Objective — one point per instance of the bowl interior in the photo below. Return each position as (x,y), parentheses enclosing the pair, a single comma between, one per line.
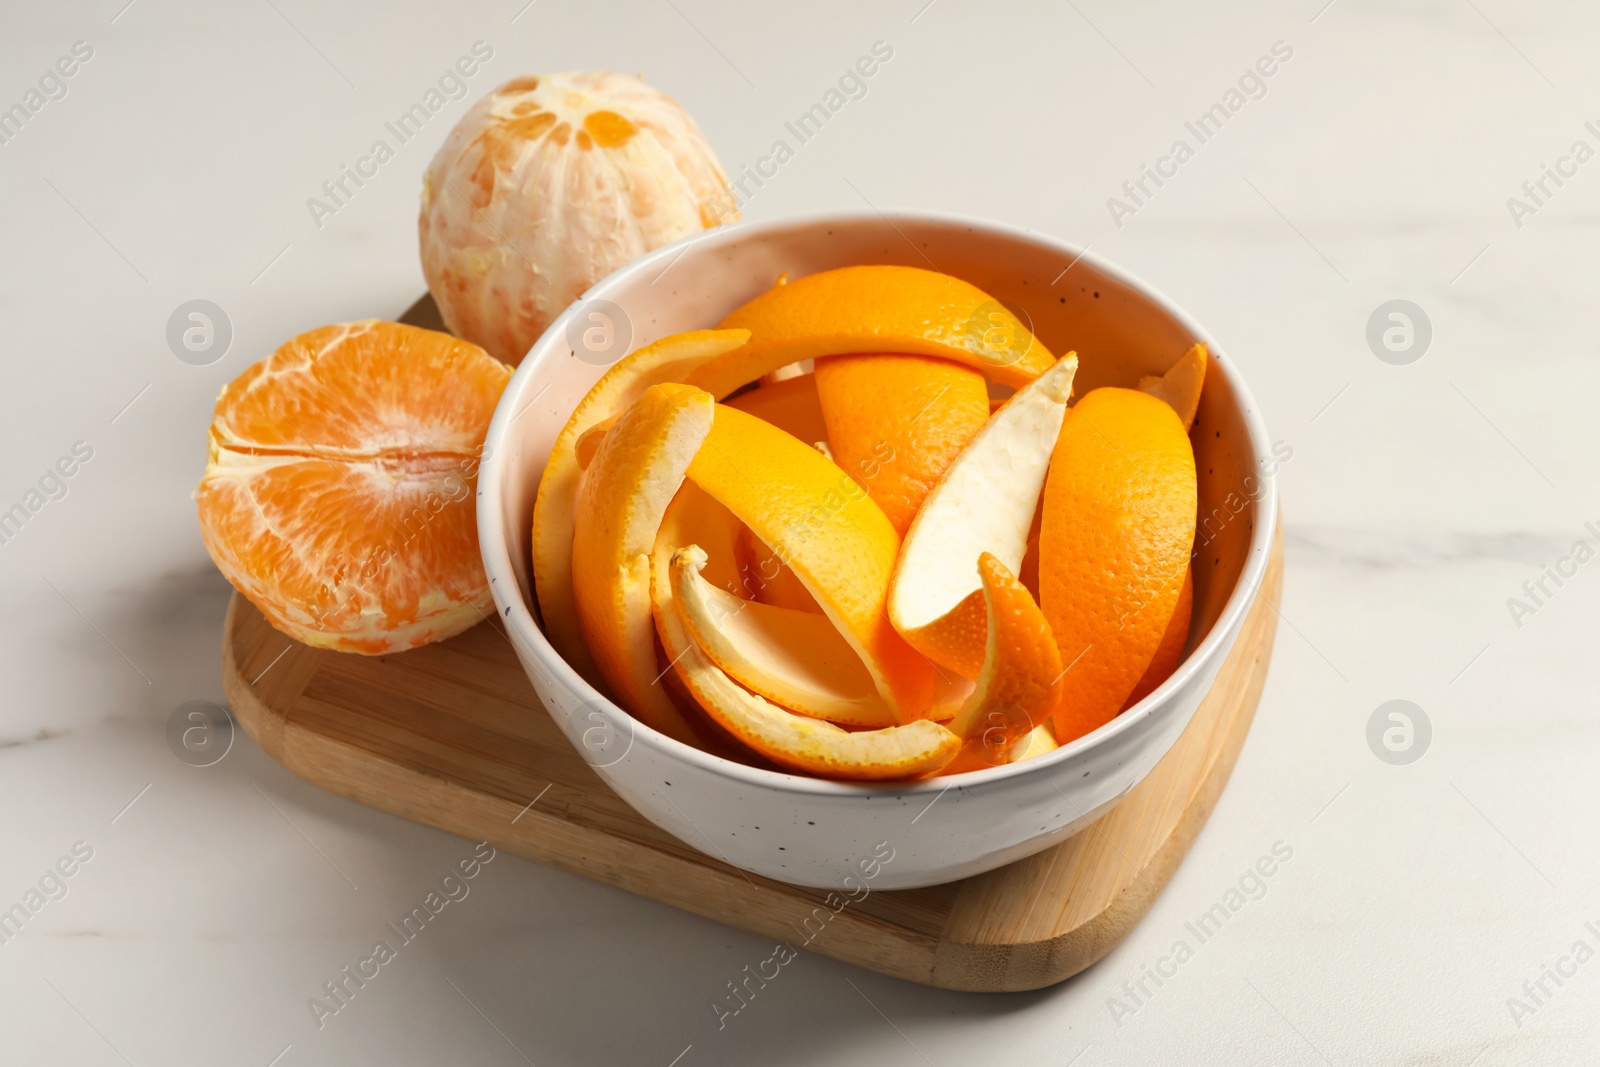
(1072,302)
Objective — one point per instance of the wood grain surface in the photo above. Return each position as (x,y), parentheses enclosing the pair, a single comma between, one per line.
(452,735)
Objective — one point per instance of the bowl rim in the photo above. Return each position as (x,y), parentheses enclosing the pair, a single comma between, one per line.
(519,620)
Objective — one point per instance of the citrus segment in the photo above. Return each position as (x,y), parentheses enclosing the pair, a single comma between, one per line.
(984,503)
(339,490)
(1170,651)
(896,423)
(795,741)
(1119,517)
(827,530)
(1180,387)
(365,389)
(877,309)
(1020,681)
(667,360)
(620,505)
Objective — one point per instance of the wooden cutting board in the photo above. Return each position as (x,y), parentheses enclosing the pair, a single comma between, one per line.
(452,735)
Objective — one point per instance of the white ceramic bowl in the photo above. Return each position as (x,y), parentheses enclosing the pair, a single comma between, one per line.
(814,832)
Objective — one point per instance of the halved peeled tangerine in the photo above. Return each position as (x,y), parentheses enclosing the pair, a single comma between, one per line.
(830,558)
(338,494)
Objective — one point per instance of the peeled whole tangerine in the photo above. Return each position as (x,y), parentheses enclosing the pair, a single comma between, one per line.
(547,185)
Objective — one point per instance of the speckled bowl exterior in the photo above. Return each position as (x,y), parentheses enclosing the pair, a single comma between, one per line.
(898,835)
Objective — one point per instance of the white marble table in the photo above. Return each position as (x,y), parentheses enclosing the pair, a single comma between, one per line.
(1421,904)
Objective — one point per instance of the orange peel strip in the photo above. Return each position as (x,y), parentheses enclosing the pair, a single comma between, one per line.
(1169,653)
(764,577)
(876,309)
(1020,682)
(667,360)
(827,530)
(794,741)
(1180,387)
(1118,527)
(897,422)
(793,658)
(620,507)
(1039,741)
(984,503)
(792,405)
